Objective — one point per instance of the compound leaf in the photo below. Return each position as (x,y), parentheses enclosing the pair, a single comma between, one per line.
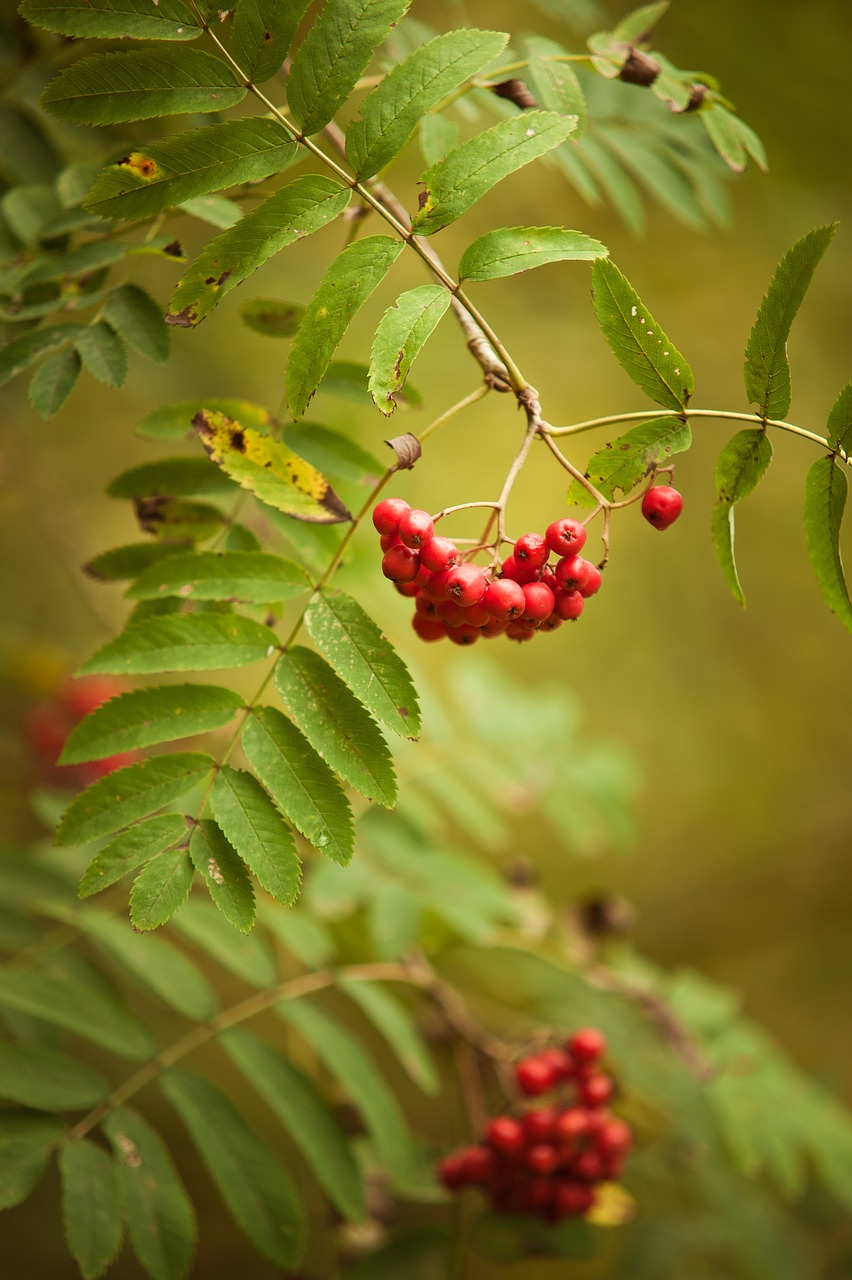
(130,793)
(199,642)
(402,333)
(258,832)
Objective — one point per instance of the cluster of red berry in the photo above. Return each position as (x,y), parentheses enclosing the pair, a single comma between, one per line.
(547,1162)
(48,725)
(464,601)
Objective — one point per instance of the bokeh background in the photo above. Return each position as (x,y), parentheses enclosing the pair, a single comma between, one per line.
(738,721)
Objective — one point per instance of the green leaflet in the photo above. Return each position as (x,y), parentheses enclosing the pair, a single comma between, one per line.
(625,461)
(767,371)
(48,1081)
(302,934)
(137,319)
(263,31)
(741,465)
(300,782)
(334,54)
(305,1116)
(839,428)
(454,185)
(225,875)
(258,577)
(336,724)
(637,341)
(554,84)
(218,211)
(128,850)
(249,958)
(513,249)
(402,333)
(160,889)
(91,1209)
(391,113)
(53,382)
(160,1218)
(172,477)
(336,455)
(291,214)
(103,353)
(200,642)
(154,964)
(114,19)
(272,317)
(826,489)
(28,153)
(109,88)
(364,660)
(174,421)
(20,353)
(130,793)
(144,717)
(26,1142)
(256,829)
(190,164)
(394,1021)
(357,1075)
(346,285)
(637,25)
(732,138)
(254,1184)
(436,137)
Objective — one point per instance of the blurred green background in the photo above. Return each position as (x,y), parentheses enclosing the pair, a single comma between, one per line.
(739,720)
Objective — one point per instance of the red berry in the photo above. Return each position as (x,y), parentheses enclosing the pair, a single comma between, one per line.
(587,1044)
(451,1171)
(568,605)
(614,1138)
(409,589)
(388,540)
(596,1090)
(572,1198)
(593,582)
(494,627)
(479,1164)
(416,527)
(531,550)
(572,572)
(438,554)
(518,571)
(534,1076)
(504,598)
(542,1158)
(400,564)
(451,612)
(520,631)
(540,1125)
(565,537)
(589,1166)
(436,587)
(505,1134)
(553,623)
(387,515)
(466,584)
(424,605)
(464,635)
(661,506)
(539,601)
(427,628)
(561,1063)
(540,1194)
(571,1125)
(84,695)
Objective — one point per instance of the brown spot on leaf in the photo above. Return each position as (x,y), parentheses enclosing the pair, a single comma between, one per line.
(238,440)
(422,199)
(181,319)
(267,36)
(174,249)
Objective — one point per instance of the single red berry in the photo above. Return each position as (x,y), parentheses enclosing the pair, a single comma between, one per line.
(388,540)
(428,629)
(572,572)
(531,550)
(588,1166)
(387,515)
(505,1134)
(451,1171)
(542,1158)
(560,1061)
(535,1075)
(540,1124)
(409,589)
(424,576)
(400,564)
(593,583)
(614,1138)
(518,571)
(540,1194)
(416,527)
(572,1198)
(565,537)
(423,604)
(661,506)
(494,627)
(451,613)
(438,554)
(479,1164)
(436,587)
(596,1090)
(571,1125)
(553,623)
(477,616)
(539,601)
(504,598)
(568,605)
(466,584)
(587,1044)
(519,631)
(47,726)
(463,635)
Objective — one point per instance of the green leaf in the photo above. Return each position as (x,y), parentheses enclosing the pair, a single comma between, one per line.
(767,371)
(513,249)
(128,850)
(637,341)
(136,317)
(28,210)
(53,382)
(103,353)
(258,577)
(263,31)
(403,330)
(346,285)
(437,136)
(218,211)
(130,793)
(225,874)
(200,642)
(256,829)
(122,563)
(160,1218)
(416,1254)
(91,1209)
(336,724)
(304,206)
(839,429)
(160,889)
(48,1081)
(353,1068)
(554,84)
(741,465)
(334,54)
(272,317)
(826,490)
(454,185)
(114,19)
(171,477)
(26,1142)
(155,964)
(391,113)
(337,456)
(174,421)
(396,1025)
(191,164)
(29,155)
(83,261)
(20,353)
(305,1116)
(364,660)
(300,782)
(255,1186)
(302,934)
(109,88)
(627,460)
(269,470)
(144,717)
(250,957)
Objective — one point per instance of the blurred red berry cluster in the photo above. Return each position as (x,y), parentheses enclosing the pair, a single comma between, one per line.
(548,1161)
(48,725)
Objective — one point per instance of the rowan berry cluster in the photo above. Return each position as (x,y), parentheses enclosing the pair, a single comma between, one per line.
(548,1161)
(463,601)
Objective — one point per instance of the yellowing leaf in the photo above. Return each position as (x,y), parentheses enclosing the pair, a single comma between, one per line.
(613,1206)
(272,472)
